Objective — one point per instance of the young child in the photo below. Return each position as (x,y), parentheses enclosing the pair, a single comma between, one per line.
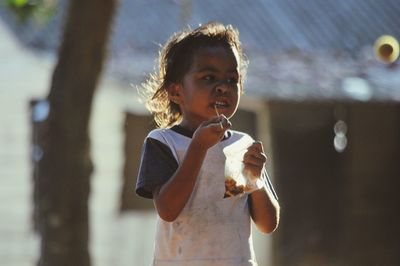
(193,95)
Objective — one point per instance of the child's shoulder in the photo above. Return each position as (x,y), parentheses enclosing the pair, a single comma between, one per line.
(165,135)
(159,133)
(156,133)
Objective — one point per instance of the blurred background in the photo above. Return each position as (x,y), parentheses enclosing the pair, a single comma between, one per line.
(322,93)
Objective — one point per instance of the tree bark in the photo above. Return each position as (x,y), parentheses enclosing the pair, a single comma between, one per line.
(66,166)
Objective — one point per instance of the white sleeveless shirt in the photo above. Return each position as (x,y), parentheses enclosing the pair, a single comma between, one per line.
(210,230)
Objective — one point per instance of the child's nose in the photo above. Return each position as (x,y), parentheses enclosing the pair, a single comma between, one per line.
(222,88)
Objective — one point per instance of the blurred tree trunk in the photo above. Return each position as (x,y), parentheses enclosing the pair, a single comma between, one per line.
(66,166)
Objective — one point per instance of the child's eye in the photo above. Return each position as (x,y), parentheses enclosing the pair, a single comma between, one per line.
(209,78)
(232,80)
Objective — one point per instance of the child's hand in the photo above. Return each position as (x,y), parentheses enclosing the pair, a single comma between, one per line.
(212,131)
(254,159)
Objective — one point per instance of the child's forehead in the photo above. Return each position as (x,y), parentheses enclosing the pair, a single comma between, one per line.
(215,46)
(220,52)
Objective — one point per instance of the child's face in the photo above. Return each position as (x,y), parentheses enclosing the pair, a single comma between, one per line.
(212,81)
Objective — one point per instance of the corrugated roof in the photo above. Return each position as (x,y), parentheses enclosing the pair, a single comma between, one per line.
(270,31)
(268,26)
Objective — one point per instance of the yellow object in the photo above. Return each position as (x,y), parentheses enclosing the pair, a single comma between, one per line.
(386,49)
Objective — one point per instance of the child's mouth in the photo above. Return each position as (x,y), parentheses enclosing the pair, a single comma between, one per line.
(221,105)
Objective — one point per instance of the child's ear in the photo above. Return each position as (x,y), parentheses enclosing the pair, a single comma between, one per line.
(174,93)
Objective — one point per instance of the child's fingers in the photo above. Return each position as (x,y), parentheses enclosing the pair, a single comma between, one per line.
(254,161)
(218,119)
(257,159)
(256,150)
(213,124)
(221,122)
(216,126)
(225,122)
(257,146)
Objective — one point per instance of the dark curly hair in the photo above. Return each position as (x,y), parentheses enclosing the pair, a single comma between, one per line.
(175,60)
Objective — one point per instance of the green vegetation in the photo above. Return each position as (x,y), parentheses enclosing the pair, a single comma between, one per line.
(40,11)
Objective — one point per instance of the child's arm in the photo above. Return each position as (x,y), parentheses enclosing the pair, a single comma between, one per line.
(264,208)
(171,197)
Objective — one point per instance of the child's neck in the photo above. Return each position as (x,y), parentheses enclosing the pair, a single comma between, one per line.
(189,126)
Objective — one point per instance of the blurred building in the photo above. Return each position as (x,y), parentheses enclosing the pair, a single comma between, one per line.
(327,111)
